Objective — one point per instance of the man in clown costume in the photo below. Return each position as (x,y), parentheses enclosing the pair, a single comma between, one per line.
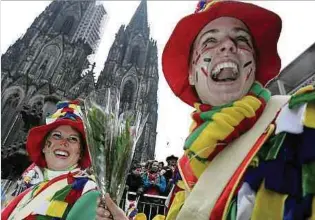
(56,185)
(249,155)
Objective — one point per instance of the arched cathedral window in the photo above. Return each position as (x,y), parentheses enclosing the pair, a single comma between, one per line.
(67,25)
(126,98)
(9,108)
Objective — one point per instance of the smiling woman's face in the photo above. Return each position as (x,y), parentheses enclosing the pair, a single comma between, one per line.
(62,148)
(222,65)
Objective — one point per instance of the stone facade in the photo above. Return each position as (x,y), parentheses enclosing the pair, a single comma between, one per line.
(47,64)
(132,67)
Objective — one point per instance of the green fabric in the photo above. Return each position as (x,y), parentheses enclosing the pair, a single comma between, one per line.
(297,100)
(277,142)
(85,207)
(194,135)
(193,155)
(232,210)
(43,217)
(62,194)
(308,178)
(270,149)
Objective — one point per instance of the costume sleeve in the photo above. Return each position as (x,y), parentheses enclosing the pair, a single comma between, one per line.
(85,207)
(146,181)
(162,184)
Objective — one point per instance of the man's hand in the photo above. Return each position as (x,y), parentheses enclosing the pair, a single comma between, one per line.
(111,211)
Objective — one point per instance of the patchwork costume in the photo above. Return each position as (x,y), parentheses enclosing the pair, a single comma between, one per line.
(52,194)
(253,158)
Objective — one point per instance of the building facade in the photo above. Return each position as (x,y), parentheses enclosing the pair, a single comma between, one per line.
(132,68)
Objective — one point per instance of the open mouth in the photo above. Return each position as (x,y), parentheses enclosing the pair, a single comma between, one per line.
(225,72)
(61,153)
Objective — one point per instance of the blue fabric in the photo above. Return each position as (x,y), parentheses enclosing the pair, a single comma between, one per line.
(307,146)
(298,208)
(70,115)
(283,177)
(62,105)
(161,183)
(255,176)
(79,183)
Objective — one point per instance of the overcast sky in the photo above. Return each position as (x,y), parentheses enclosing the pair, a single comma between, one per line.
(298,34)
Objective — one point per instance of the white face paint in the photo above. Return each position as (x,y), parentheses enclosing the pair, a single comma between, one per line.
(222,66)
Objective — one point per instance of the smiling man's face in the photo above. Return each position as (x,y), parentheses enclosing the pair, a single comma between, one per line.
(222,66)
(62,148)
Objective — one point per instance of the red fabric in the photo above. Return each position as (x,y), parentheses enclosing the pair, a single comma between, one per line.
(264,25)
(73,196)
(218,209)
(30,217)
(56,179)
(186,171)
(8,210)
(67,109)
(36,136)
(152,191)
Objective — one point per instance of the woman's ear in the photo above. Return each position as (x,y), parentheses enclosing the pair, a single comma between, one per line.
(191,77)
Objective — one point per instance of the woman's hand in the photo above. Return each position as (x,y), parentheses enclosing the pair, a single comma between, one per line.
(110,212)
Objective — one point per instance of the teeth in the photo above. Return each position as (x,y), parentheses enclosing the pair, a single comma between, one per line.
(61,153)
(220,66)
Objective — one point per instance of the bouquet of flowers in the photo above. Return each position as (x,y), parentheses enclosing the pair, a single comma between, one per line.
(111,138)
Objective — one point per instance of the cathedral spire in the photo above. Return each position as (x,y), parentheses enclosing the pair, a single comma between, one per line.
(139,20)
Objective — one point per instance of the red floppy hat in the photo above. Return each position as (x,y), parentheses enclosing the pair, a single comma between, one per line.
(68,113)
(264,25)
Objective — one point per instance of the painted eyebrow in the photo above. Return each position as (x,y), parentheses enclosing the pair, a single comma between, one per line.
(77,135)
(212,31)
(239,29)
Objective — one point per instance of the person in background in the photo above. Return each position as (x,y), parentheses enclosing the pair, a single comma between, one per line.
(249,155)
(154,183)
(134,180)
(170,172)
(57,185)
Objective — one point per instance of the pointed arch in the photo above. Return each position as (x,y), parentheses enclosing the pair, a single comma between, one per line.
(37,102)
(48,60)
(67,25)
(128,93)
(11,100)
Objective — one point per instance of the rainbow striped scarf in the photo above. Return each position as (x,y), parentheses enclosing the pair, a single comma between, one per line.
(214,128)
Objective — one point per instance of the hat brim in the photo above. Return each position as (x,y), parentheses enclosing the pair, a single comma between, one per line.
(264,25)
(171,158)
(36,138)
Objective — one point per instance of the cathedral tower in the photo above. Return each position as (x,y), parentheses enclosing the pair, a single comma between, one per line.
(132,67)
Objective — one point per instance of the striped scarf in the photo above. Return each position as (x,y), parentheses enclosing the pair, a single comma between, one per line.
(214,128)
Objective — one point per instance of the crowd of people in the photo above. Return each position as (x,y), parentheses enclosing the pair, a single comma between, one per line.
(152,177)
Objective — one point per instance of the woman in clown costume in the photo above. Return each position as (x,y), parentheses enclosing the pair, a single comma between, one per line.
(56,185)
(249,155)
